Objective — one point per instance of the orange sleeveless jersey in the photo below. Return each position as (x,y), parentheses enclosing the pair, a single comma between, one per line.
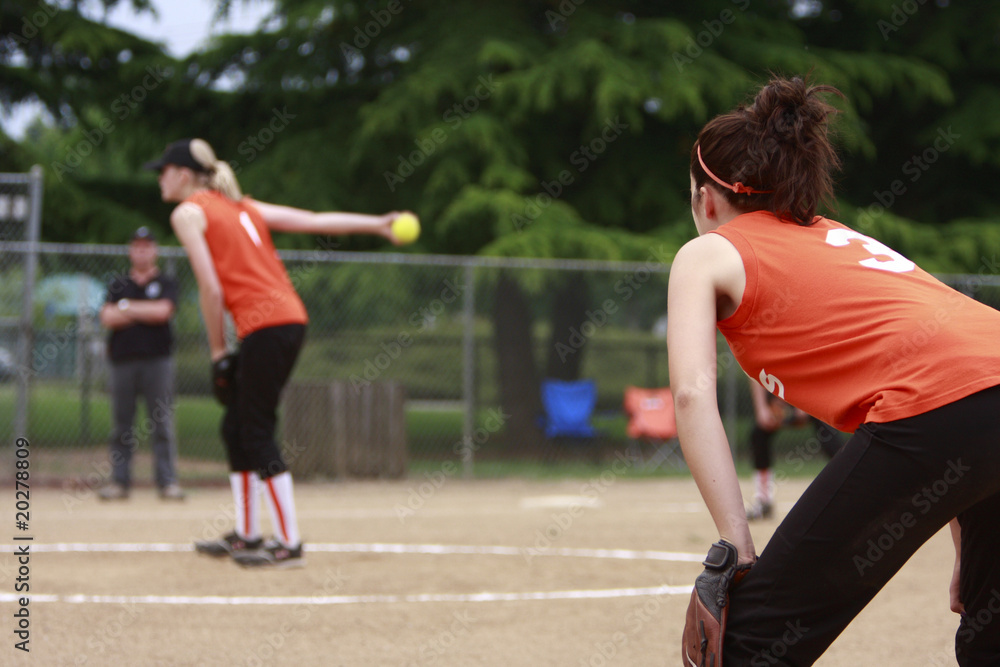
(256,288)
(850,331)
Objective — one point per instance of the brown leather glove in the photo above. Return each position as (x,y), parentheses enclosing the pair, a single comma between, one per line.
(705,627)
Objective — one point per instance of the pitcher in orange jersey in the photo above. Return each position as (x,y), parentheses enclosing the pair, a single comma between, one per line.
(846,329)
(227,237)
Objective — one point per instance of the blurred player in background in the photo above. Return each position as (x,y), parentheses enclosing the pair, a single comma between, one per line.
(227,237)
(850,331)
(771,414)
(137,309)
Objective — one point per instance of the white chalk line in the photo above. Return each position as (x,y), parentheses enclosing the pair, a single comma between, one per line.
(433,549)
(327,600)
(109,514)
(384,548)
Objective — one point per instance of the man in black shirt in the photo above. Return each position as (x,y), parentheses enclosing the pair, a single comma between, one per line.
(138,309)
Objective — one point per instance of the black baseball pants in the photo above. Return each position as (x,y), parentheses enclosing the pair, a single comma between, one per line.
(889,489)
(263,365)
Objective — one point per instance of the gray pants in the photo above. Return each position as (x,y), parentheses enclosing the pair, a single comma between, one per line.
(153,379)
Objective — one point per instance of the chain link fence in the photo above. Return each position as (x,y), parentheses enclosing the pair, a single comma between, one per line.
(20,221)
(429,324)
(469,340)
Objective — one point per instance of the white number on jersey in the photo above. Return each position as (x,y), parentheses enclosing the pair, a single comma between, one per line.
(251,230)
(895,263)
(772,384)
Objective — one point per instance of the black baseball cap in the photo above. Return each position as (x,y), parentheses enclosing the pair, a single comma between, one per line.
(144,234)
(177,153)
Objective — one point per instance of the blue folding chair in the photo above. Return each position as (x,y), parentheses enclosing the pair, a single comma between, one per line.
(569,405)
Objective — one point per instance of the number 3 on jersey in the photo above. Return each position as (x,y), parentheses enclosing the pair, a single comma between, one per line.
(895,263)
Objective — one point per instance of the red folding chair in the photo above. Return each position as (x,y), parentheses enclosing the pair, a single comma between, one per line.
(651,420)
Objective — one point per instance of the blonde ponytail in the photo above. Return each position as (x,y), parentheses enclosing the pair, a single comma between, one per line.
(224,180)
(220,176)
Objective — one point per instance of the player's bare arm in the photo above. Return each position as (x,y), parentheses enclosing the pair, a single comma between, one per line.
(706,281)
(296,220)
(189,224)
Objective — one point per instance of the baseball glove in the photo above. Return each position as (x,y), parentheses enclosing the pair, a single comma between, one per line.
(224,378)
(708,610)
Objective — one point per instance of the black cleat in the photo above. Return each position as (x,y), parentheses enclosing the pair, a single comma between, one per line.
(231,544)
(272,554)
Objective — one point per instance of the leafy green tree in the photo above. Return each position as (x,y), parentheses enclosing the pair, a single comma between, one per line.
(91,78)
(546,128)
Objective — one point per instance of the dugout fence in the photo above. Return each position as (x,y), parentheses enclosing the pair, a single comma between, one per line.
(468,339)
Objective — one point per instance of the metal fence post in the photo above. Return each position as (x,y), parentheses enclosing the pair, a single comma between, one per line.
(468,368)
(26,329)
(730,411)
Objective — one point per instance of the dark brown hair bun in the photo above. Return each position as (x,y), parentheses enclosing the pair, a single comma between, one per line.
(779,145)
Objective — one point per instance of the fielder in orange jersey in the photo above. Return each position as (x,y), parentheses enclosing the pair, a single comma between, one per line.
(227,237)
(846,329)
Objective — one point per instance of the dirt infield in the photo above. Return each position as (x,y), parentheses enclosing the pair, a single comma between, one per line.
(482,573)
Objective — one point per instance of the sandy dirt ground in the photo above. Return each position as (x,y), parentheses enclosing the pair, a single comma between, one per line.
(579,573)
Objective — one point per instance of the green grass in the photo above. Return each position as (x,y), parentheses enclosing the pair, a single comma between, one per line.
(583,470)
(57,416)
(61,419)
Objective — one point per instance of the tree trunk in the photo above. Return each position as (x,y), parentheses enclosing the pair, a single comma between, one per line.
(520,392)
(568,340)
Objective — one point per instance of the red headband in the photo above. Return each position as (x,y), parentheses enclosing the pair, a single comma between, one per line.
(737,187)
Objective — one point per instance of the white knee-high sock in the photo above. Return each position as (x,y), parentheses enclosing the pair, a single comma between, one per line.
(763,485)
(246,496)
(280,500)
